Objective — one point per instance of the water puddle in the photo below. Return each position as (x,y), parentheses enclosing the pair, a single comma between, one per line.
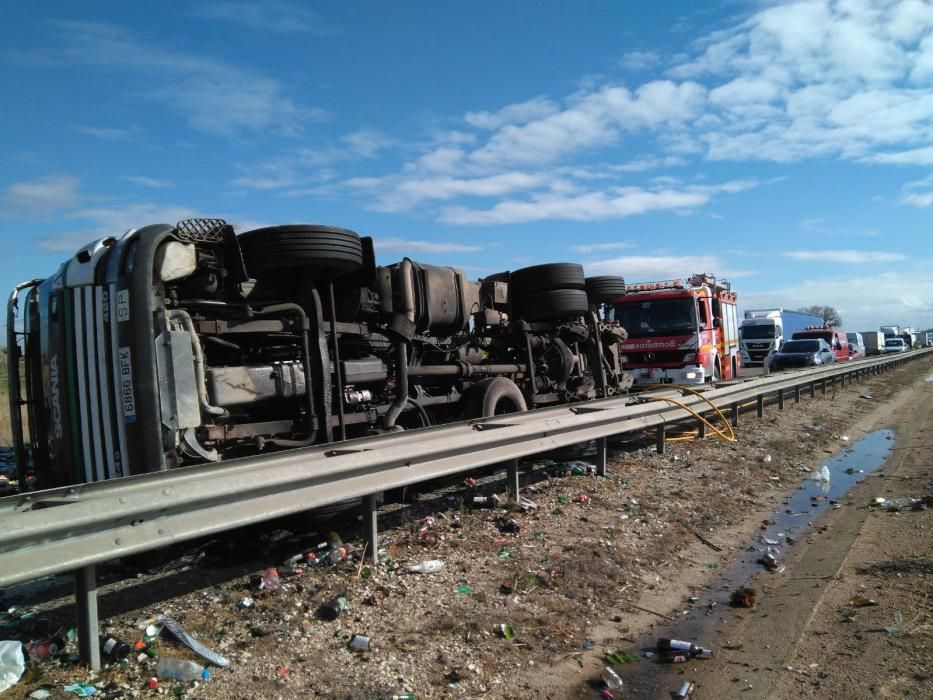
(648,678)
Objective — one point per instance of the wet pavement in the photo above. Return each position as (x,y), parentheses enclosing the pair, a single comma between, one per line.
(648,677)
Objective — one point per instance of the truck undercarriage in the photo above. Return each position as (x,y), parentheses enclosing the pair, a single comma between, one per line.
(176,345)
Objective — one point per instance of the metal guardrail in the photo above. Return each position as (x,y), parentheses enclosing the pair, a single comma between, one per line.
(74,528)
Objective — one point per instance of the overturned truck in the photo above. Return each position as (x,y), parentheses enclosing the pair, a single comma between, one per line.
(176,345)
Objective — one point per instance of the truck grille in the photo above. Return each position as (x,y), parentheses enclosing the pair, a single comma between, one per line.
(656,358)
(102,438)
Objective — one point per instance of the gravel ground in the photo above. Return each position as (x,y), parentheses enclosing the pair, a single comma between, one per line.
(571,583)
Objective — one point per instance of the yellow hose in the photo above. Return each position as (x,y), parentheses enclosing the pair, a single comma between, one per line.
(727,435)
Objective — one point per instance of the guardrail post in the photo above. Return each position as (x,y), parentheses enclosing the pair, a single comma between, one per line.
(797,394)
(735,415)
(661,437)
(702,429)
(812,390)
(761,406)
(780,398)
(86,604)
(371,527)
(823,386)
(513,484)
(601,450)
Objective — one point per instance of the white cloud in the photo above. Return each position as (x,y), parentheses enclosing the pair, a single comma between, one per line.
(639,60)
(817,78)
(598,247)
(594,120)
(403,245)
(649,268)
(589,206)
(150,182)
(901,297)
(643,163)
(269,16)
(215,97)
(367,142)
(913,156)
(105,133)
(854,257)
(113,221)
(520,113)
(797,80)
(825,228)
(395,194)
(919,193)
(41,197)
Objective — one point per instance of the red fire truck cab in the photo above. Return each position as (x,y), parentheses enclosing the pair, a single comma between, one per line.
(680,331)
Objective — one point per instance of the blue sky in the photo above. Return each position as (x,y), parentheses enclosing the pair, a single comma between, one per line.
(787,146)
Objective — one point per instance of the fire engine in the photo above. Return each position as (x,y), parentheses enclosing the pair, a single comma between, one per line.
(680,331)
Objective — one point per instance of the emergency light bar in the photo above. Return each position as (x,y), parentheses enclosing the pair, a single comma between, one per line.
(650,286)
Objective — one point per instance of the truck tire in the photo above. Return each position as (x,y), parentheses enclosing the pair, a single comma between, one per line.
(327,251)
(493,397)
(543,278)
(604,288)
(552,304)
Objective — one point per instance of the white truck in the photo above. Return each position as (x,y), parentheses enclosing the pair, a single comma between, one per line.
(890,331)
(763,331)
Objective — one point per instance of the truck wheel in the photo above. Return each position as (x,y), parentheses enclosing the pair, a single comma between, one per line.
(604,288)
(327,251)
(555,303)
(542,278)
(493,397)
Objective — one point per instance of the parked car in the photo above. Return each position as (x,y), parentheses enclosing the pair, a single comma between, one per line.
(809,352)
(856,346)
(834,337)
(894,345)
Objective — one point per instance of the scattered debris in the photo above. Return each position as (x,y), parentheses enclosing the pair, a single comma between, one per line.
(428,566)
(743,597)
(894,505)
(612,679)
(684,691)
(859,601)
(898,625)
(505,631)
(619,657)
(711,545)
(12,663)
(360,642)
(485,501)
(82,690)
(670,649)
(176,631)
(181,670)
(332,609)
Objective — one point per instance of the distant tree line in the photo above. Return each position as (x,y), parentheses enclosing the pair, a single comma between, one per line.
(829,315)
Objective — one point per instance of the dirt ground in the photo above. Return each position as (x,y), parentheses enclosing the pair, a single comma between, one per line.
(533,613)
